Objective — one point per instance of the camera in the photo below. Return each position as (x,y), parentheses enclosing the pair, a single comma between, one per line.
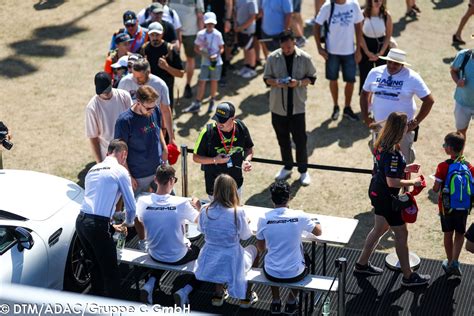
(285,80)
(3,137)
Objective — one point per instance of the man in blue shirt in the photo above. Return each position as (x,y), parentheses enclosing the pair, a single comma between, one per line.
(276,19)
(140,128)
(137,33)
(464,93)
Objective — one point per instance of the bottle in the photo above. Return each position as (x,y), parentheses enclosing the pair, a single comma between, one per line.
(327,307)
(446,199)
(120,244)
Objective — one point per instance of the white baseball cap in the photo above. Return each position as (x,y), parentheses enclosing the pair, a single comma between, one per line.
(122,62)
(210,17)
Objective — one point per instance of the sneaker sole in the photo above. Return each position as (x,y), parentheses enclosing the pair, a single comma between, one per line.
(414,284)
(367,272)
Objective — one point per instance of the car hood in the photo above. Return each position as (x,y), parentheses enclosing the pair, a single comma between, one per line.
(35,195)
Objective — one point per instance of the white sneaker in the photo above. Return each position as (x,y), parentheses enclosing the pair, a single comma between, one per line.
(305,179)
(283,174)
(143,245)
(181,298)
(249,74)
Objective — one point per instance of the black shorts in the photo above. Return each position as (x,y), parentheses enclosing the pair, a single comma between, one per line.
(383,206)
(258,28)
(470,233)
(297,278)
(192,254)
(455,221)
(245,40)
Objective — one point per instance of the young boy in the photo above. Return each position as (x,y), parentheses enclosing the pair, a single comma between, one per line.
(210,45)
(245,16)
(452,222)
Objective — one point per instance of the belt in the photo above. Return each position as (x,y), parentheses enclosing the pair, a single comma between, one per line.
(94,217)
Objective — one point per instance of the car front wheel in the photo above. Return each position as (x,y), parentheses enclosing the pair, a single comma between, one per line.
(78,266)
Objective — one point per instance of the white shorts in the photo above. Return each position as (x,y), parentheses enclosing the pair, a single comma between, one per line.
(462,116)
(406,147)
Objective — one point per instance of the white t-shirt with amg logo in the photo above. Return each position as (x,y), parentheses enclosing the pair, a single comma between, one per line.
(281,228)
(164,217)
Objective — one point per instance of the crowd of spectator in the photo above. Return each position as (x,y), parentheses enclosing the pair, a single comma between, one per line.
(134,105)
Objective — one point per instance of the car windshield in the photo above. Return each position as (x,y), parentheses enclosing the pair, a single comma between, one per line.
(6,239)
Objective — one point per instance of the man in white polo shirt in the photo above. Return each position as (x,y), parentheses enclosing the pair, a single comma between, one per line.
(104,184)
(392,88)
(163,216)
(280,233)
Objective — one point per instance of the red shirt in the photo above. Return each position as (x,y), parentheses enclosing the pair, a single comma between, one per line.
(440,176)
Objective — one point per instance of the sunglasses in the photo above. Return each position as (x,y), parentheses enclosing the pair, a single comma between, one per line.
(129,25)
(445,145)
(175,179)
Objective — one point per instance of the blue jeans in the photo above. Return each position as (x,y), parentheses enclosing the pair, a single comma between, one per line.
(335,62)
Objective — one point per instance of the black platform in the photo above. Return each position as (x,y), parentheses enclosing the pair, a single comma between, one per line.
(374,295)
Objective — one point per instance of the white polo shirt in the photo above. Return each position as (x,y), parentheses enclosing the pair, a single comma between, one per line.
(163,217)
(104,184)
(281,229)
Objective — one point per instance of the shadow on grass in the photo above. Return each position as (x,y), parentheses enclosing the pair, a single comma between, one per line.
(16,65)
(401,24)
(263,198)
(48,4)
(445,4)
(366,222)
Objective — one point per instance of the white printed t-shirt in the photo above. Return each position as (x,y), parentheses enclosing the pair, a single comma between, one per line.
(210,42)
(163,217)
(101,116)
(281,229)
(129,84)
(394,93)
(340,39)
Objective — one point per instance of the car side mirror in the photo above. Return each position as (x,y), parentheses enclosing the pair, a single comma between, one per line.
(24,238)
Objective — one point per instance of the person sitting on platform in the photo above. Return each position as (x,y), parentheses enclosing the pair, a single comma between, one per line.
(163,216)
(280,233)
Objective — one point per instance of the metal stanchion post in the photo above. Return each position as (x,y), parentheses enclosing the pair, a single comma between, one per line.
(341,265)
(1,160)
(184,170)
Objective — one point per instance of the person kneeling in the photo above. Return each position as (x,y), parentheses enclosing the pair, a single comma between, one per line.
(163,216)
(280,233)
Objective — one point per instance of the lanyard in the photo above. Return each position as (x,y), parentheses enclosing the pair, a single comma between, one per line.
(223,140)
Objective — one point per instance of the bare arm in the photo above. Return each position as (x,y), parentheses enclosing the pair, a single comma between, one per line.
(425,109)
(364,107)
(203,160)
(317,37)
(95,144)
(436,186)
(228,15)
(163,64)
(288,21)
(398,183)
(388,35)
(246,23)
(261,246)
(168,121)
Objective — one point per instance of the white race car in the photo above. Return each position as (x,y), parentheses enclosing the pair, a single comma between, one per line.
(38,243)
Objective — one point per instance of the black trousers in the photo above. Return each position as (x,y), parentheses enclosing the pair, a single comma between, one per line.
(93,232)
(296,126)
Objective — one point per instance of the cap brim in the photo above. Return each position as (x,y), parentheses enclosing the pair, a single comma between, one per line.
(210,21)
(155,31)
(393,60)
(220,119)
(106,90)
(129,22)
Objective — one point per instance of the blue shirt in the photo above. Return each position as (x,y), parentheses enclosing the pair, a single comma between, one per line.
(274,12)
(465,96)
(142,135)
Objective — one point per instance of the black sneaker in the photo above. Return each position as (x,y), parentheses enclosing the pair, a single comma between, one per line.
(275,308)
(188,92)
(367,269)
(350,114)
(291,309)
(416,279)
(335,113)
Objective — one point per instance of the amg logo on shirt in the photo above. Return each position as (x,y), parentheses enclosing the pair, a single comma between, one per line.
(161,208)
(99,169)
(283,221)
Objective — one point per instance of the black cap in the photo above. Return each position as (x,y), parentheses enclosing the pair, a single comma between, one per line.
(129,17)
(122,37)
(103,83)
(224,112)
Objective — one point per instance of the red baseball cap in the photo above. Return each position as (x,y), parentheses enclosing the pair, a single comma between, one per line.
(173,154)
